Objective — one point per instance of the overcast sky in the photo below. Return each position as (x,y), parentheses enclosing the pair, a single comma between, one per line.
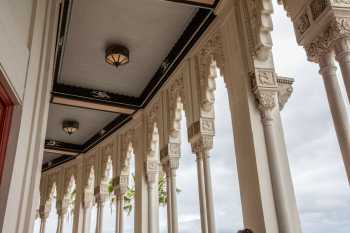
(322,191)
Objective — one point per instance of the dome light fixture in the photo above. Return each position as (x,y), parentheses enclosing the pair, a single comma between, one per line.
(117,55)
(70,127)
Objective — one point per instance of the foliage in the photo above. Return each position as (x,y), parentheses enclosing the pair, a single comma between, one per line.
(130,194)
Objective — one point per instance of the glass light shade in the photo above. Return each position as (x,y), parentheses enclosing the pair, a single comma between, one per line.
(117,55)
(70,127)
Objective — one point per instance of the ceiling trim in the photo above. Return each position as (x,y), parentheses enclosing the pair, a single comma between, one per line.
(63,146)
(196,3)
(94,99)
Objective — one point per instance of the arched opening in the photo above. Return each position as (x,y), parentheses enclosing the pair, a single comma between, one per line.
(70,197)
(129,197)
(52,220)
(109,208)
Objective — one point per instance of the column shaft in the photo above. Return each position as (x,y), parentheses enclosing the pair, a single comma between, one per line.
(174,218)
(42,225)
(342,49)
(99,219)
(86,220)
(201,191)
(151,208)
(121,214)
(169,218)
(209,194)
(282,186)
(117,219)
(60,223)
(337,106)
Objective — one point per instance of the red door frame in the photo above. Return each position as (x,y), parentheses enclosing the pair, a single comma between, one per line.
(6,109)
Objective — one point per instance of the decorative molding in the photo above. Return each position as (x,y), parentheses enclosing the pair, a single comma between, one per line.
(285,90)
(323,43)
(317,7)
(259,26)
(302,23)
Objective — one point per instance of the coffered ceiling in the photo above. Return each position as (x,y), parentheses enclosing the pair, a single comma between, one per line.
(101,97)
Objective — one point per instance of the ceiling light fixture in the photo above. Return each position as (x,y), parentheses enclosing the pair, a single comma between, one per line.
(70,127)
(117,55)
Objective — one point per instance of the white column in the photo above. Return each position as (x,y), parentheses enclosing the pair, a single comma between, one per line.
(152,169)
(99,218)
(86,219)
(337,104)
(201,191)
(117,202)
(168,182)
(209,199)
(43,224)
(265,88)
(174,217)
(60,223)
(342,50)
(151,210)
(121,214)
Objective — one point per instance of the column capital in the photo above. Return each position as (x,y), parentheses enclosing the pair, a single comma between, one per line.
(44,212)
(61,207)
(152,170)
(101,194)
(265,88)
(170,155)
(201,134)
(121,184)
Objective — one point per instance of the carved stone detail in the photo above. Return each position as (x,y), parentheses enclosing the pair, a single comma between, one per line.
(285,90)
(152,170)
(202,144)
(259,26)
(317,7)
(302,23)
(170,155)
(265,87)
(322,44)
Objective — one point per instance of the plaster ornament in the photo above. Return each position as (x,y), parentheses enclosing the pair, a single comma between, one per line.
(285,90)
(152,170)
(259,26)
(317,7)
(302,23)
(265,87)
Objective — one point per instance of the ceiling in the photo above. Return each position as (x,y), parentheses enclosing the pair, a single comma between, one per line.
(149,32)
(158,33)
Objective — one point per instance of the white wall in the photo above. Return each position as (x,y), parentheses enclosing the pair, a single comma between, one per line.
(15,23)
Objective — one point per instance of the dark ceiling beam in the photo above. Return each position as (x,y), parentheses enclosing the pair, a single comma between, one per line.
(94,99)
(63,148)
(210,4)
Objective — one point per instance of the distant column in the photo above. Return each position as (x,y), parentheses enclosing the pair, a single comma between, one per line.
(337,106)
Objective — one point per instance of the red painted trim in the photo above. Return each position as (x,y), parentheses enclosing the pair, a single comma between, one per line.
(6,108)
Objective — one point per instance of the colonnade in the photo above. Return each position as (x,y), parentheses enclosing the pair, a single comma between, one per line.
(239,46)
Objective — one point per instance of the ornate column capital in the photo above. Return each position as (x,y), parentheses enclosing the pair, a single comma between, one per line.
(101,194)
(62,207)
(265,88)
(170,155)
(44,212)
(201,134)
(152,170)
(88,201)
(121,184)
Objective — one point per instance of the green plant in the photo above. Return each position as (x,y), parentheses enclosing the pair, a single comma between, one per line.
(130,194)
